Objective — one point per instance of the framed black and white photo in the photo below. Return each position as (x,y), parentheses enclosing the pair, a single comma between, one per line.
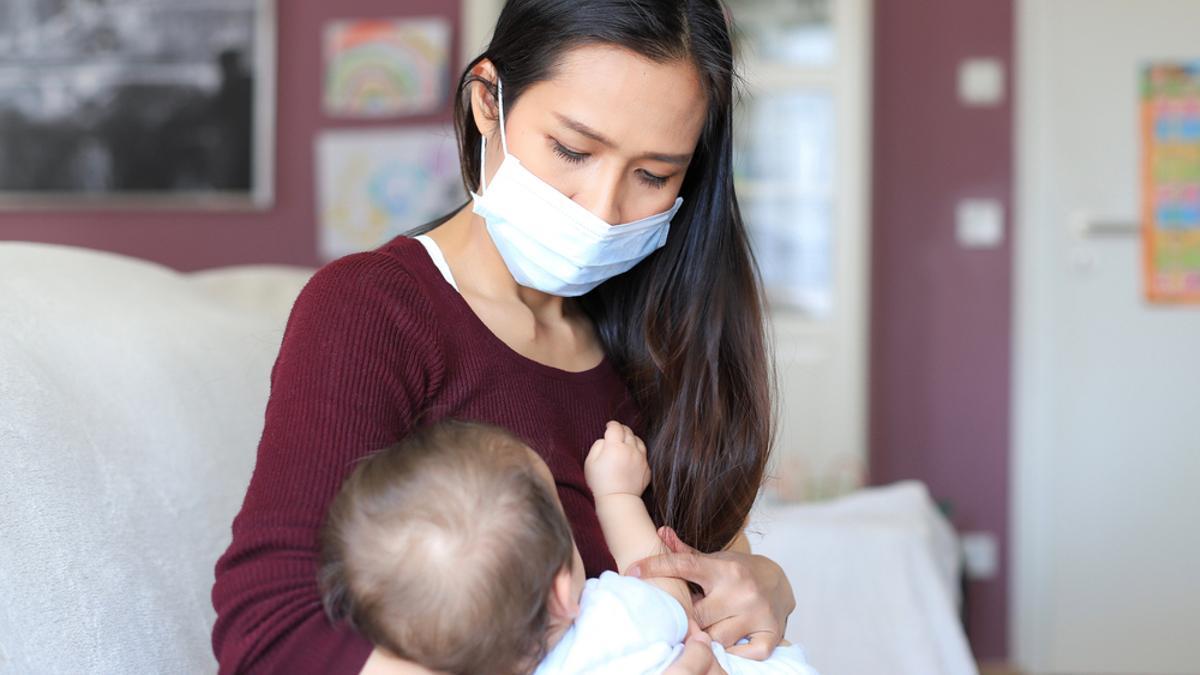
(129,103)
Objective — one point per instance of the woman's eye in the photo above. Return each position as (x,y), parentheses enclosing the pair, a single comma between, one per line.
(654,181)
(573,157)
(569,155)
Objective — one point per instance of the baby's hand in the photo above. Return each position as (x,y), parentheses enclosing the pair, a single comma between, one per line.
(617,463)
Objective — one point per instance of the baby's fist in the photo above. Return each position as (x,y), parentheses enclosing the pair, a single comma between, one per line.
(617,463)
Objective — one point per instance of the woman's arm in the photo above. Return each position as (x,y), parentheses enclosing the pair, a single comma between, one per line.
(356,365)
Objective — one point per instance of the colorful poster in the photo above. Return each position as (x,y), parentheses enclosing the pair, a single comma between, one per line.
(380,68)
(375,184)
(1171,170)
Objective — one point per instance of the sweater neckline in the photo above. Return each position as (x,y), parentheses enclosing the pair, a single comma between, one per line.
(460,304)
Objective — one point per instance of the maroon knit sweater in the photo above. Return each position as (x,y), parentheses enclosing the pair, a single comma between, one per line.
(376,343)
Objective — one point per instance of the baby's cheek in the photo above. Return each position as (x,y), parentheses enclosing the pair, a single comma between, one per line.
(578,574)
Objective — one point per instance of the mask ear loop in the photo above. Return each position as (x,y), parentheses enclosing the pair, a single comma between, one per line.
(482,165)
(500,95)
(483,141)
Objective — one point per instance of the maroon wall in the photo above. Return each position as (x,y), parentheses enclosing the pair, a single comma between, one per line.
(287,232)
(941,315)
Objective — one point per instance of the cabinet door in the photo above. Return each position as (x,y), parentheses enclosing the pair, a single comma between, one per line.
(801,167)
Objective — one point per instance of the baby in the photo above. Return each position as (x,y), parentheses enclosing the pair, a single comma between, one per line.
(451,549)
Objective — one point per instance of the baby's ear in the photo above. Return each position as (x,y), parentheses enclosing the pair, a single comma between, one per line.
(564,606)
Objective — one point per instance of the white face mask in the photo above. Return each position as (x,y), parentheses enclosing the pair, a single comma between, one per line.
(549,242)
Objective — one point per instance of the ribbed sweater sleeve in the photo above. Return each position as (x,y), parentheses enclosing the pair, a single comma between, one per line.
(359,360)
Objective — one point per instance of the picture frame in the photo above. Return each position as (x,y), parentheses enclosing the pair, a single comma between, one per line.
(374,184)
(117,104)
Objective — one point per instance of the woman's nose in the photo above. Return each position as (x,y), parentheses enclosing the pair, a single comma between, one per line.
(601,196)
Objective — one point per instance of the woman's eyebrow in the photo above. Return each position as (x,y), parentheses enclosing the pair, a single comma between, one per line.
(585,130)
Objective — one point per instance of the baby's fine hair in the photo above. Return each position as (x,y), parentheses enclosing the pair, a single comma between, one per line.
(443,549)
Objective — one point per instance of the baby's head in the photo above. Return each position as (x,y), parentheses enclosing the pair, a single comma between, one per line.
(451,549)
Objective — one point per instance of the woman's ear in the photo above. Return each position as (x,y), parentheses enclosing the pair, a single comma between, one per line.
(484,107)
(564,606)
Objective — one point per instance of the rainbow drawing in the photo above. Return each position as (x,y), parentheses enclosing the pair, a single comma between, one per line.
(382,68)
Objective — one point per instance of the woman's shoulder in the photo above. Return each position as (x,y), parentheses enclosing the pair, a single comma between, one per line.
(363,305)
(402,260)
(397,272)
(389,287)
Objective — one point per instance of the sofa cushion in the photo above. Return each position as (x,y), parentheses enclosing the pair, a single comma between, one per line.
(131,403)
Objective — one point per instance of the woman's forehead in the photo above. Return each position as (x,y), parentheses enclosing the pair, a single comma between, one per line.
(642,105)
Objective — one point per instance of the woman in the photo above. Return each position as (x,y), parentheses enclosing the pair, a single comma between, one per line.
(529,311)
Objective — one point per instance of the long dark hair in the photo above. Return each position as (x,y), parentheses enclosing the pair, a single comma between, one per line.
(685,327)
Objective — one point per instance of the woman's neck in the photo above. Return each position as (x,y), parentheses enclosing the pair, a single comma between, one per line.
(479,269)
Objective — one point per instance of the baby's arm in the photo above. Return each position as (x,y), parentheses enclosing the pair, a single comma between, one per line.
(617,474)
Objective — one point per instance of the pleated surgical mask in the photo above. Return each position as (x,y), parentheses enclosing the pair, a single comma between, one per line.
(549,242)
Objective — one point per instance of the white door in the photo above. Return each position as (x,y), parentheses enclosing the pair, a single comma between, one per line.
(1107,445)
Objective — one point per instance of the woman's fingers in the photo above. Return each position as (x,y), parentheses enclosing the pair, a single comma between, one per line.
(728,621)
(730,632)
(688,566)
(697,659)
(683,562)
(711,618)
(759,648)
(735,607)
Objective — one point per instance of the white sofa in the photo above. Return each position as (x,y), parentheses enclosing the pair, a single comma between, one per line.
(131,400)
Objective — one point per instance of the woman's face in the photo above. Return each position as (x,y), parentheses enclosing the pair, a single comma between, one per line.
(611,130)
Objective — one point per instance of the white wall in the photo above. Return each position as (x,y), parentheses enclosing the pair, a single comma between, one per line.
(479,18)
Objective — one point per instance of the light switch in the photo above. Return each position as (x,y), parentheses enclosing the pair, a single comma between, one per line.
(981,82)
(981,556)
(980,223)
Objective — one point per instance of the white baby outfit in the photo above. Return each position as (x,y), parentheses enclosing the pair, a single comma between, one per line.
(627,626)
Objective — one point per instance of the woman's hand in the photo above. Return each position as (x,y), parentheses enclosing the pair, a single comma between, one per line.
(745,595)
(697,658)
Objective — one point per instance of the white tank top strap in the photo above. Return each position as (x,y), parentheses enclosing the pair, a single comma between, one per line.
(439,260)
